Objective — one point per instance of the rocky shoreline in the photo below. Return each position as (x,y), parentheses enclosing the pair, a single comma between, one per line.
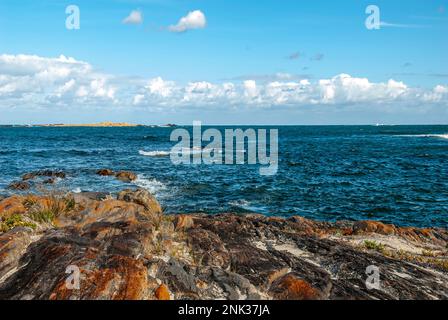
(124,247)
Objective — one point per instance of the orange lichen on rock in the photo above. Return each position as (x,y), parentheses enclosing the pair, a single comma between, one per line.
(12,205)
(162,293)
(141,197)
(373,227)
(291,287)
(183,222)
(126,176)
(416,234)
(305,226)
(123,278)
(107,210)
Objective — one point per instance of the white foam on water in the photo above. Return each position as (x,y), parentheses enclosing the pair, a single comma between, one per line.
(77,190)
(156,153)
(151,184)
(240,203)
(186,151)
(441,136)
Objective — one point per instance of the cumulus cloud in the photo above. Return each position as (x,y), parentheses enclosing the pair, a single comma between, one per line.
(62,82)
(159,87)
(193,20)
(250,88)
(341,90)
(438,94)
(29,79)
(135,17)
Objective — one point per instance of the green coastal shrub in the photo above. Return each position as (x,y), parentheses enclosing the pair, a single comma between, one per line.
(13,221)
(373,245)
(55,205)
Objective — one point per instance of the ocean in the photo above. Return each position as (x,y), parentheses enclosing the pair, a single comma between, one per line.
(394,174)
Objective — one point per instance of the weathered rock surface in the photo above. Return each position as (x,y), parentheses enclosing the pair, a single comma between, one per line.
(44,173)
(126,176)
(127,249)
(141,197)
(105,172)
(19,185)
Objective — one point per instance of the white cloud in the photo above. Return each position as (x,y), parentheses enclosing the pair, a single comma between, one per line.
(138,98)
(158,86)
(29,79)
(438,94)
(399,25)
(193,20)
(135,17)
(37,82)
(250,88)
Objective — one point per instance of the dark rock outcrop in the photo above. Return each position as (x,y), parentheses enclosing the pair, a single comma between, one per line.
(127,249)
(19,185)
(105,172)
(44,173)
(126,176)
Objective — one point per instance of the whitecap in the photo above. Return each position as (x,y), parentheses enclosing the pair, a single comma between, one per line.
(151,184)
(441,136)
(154,153)
(240,203)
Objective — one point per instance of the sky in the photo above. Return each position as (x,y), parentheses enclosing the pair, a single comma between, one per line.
(224,62)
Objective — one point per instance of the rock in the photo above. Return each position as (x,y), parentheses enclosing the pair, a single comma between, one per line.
(19,185)
(44,173)
(92,195)
(50,181)
(183,222)
(105,172)
(162,293)
(141,197)
(125,251)
(12,205)
(208,248)
(126,176)
(12,247)
(373,226)
(28,176)
(105,242)
(291,287)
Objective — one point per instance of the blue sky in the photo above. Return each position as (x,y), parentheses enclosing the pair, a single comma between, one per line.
(262,41)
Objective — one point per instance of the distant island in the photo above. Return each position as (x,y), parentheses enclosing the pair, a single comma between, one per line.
(105,124)
(100,124)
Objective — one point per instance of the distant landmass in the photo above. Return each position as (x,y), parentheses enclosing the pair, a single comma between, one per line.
(100,124)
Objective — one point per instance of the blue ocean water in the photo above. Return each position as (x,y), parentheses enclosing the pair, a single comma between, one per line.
(396,174)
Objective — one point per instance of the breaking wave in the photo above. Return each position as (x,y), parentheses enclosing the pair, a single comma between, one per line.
(152,185)
(441,136)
